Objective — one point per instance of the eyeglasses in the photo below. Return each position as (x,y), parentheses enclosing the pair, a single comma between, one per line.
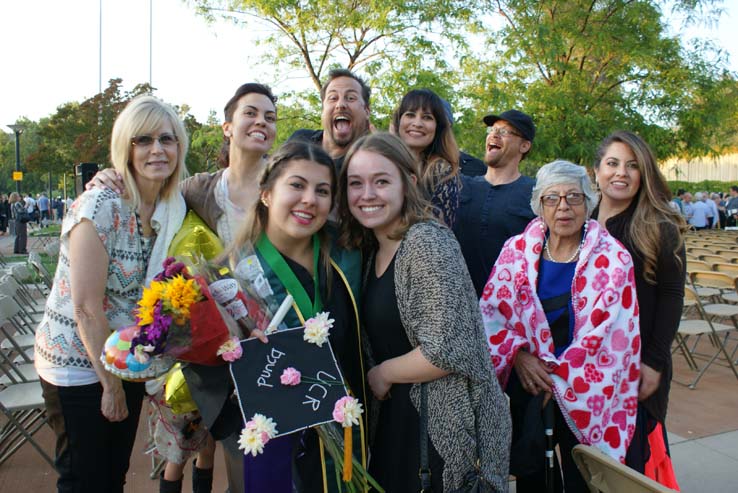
(165,140)
(553,199)
(502,131)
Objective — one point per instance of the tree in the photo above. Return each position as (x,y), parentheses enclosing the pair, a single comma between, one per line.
(205,143)
(80,132)
(314,36)
(585,67)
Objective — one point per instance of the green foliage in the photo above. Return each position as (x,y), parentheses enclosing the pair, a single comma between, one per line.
(581,68)
(702,186)
(80,132)
(317,35)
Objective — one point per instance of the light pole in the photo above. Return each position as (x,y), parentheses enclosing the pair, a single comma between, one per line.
(17,129)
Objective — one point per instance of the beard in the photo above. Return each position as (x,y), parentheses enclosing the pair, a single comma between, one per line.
(358,129)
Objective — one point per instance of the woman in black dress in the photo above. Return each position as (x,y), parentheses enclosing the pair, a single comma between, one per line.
(424,326)
(635,210)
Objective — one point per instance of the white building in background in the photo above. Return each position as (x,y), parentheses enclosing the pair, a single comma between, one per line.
(722,168)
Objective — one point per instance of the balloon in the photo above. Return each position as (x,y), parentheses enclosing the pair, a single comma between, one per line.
(177,394)
(195,238)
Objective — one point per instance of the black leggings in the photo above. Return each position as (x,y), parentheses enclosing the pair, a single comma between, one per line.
(92,453)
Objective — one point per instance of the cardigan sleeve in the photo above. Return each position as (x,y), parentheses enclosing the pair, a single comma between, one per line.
(437,301)
(669,301)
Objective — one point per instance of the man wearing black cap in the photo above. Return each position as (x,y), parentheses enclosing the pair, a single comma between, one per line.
(496,206)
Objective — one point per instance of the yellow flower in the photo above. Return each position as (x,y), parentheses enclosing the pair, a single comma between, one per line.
(145,316)
(151,295)
(180,294)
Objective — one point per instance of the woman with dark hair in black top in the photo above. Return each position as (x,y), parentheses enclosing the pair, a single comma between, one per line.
(635,209)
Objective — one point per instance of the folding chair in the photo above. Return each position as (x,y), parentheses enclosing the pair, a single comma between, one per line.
(716,332)
(725,284)
(23,407)
(700,266)
(713,259)
(604,474)
(730,269)
(701,251)
(30,311)
(16,337)
(34,259)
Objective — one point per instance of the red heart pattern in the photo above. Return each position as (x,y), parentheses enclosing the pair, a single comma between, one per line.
(576,357)
(627,297)
(598,372)
(580,386)
(620,418)
(612,436)
(598,316)
(563,371)
(608,391)
(602,262)
(581,418)
(619,340)
(581,283)
(605,359)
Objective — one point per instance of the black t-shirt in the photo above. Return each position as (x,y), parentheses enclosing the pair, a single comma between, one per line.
(488,215)
(315,137)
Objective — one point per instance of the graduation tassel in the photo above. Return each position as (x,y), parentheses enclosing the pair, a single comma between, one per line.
(347,454)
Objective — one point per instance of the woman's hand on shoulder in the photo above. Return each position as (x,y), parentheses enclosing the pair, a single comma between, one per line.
(113,404)
(378,383)
(108,178)
(650,380)
(533,373)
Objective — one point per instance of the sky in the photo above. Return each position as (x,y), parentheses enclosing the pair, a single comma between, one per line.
(51,53)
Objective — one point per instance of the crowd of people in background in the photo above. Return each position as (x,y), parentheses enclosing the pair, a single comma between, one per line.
(41,211)
(540,280)
(708,210)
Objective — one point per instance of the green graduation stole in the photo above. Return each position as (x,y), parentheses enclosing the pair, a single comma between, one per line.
(289,280)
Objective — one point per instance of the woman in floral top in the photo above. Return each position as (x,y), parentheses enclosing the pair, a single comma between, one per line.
(106,245)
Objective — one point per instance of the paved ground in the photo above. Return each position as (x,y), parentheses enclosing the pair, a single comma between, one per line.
(703,426)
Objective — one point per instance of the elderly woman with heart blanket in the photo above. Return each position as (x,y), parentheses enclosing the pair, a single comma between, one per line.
(561,319)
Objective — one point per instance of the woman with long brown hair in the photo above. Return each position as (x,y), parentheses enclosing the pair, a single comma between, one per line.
(635,209)
(424,328)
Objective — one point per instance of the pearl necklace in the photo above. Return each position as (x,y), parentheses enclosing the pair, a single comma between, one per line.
(576,252)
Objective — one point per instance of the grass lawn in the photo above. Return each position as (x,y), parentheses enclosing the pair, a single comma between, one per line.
(50,230)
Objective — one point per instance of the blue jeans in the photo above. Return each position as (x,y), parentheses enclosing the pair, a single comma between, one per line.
(92,453)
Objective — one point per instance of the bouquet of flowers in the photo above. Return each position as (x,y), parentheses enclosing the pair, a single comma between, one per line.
(260,301)
(238,284)
(177,318)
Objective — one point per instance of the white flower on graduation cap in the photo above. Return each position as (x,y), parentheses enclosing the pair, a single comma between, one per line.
(257,433)
(317,329)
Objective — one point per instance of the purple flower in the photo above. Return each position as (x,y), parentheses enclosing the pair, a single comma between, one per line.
(154,334)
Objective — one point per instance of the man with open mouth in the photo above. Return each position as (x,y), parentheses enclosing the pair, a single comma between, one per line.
(496,206)
(345,115)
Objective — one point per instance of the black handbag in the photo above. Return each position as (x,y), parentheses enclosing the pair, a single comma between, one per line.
(24,217)
(473,480)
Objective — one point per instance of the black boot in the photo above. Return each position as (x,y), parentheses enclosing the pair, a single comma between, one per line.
(202,479)
(166,486)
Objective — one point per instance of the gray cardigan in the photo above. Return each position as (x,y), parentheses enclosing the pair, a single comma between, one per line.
(469,417)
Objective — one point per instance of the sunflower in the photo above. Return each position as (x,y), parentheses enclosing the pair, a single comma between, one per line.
(179,295)
(150,297)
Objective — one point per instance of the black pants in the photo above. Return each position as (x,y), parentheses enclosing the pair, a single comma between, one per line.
(92,453)
(536,483)
(21,237)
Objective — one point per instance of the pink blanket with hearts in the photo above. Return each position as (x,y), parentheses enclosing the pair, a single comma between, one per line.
(596,378)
